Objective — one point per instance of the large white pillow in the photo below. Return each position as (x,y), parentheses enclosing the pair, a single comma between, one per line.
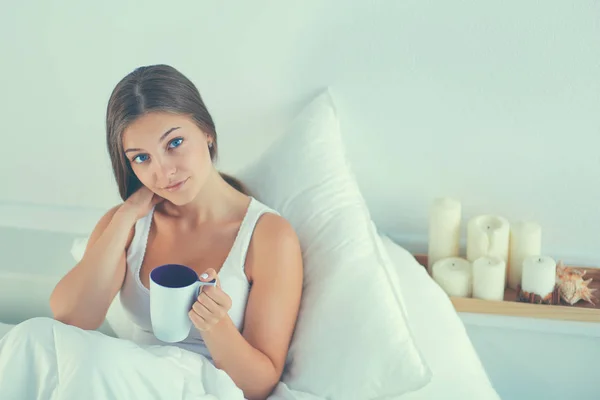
(351,340)
(457,370)
(4,328)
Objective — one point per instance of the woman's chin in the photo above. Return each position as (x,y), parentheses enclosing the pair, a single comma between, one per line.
(180,199)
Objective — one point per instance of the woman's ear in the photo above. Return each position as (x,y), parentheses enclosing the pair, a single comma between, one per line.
(211,146)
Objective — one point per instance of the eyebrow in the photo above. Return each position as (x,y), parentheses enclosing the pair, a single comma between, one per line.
(164,135)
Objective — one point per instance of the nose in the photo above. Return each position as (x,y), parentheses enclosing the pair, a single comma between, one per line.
(164,172)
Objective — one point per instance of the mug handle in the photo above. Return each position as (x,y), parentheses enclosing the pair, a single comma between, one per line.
(209,283)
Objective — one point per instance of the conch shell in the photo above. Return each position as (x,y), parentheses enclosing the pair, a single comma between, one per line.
(571,286)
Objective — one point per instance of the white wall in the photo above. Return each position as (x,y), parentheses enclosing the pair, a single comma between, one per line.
(495,103)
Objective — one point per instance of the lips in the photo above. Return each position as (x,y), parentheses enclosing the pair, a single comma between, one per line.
(176,186)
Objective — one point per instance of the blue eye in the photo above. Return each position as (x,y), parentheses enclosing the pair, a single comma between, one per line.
(140,158)
(175,143)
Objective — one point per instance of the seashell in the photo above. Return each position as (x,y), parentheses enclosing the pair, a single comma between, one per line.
(571,286)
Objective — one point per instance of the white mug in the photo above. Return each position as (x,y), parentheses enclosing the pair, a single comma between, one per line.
(173,291)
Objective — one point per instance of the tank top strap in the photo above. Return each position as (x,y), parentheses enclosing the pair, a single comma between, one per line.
(240,247)
(137,248)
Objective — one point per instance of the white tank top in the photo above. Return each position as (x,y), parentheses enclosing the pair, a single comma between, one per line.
(135,297)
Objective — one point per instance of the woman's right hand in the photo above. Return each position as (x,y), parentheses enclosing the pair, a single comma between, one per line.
(140,203)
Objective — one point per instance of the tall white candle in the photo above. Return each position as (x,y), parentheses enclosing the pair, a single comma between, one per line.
(453,275)
(444,230)
(488,236)
(489,278)
(525,241)
(539,275)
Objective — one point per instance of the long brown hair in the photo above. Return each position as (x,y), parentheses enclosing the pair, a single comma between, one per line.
(149,89)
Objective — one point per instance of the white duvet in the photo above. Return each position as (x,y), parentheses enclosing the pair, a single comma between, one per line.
(45,359)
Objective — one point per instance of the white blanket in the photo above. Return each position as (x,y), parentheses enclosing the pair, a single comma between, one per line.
(45,359)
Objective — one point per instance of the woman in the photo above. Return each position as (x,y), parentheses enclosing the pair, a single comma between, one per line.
(179,209)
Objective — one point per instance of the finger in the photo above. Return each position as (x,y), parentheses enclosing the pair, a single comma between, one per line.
(198,321)
(145,192)
(209,275)
(203,312)
(156,199)
(204,301)
(217,295)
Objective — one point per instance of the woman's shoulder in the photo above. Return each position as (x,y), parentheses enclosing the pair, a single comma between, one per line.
(274,238)
(270,224)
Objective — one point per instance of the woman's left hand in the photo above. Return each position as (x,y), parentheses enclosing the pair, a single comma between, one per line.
(212,304)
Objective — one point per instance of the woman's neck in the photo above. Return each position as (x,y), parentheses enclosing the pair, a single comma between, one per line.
(216,200)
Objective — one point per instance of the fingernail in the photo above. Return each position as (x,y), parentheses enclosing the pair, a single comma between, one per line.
(204,276)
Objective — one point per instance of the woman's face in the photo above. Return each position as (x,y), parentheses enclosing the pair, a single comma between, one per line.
(169,154)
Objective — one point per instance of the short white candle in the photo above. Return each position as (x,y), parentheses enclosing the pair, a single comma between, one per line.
(488,236)
(453,275)
(525,241)
(489,278)
(444,230)
(539,275)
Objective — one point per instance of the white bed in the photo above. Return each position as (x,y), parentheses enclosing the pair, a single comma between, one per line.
(438,331)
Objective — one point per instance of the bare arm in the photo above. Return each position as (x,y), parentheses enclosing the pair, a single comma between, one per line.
(255,359)
(84,294)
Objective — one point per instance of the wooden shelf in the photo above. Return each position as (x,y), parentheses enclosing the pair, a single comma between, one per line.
(581,311)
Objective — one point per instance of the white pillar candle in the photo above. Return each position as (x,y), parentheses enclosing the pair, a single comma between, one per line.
(539,275)
(489,278)
(525,241)
(453,275)
(488,236)
(444,230)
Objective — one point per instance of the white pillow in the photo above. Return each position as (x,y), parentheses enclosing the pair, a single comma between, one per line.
(351,340)
(4,328)
(457,370)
